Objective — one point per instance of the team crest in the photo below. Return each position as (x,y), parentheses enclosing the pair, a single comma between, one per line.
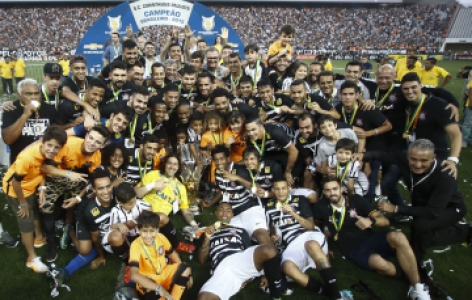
(114,23)
(279,101)
(271,203)
(302,140)
(208,23)
(95,211)
(267,169)
(161,250)
(359,122)
(235,108)
(295,200)
(422,116)
(352,213)
(392,98)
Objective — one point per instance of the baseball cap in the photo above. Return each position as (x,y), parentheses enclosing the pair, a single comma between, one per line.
(52,69)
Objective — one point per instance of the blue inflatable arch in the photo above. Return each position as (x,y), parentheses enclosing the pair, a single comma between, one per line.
(203,20)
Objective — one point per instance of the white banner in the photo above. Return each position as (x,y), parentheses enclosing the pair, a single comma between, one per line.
(161,12)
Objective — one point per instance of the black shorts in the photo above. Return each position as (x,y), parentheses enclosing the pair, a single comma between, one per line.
(375,244)
(82,232)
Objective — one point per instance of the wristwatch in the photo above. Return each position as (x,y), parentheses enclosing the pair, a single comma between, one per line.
(373,220)
(79,199)
(454,159)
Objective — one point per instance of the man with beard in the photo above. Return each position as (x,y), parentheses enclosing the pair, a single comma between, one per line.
(116,125)
(74,87)
(315,69)
(151,58)
(204,88)
(353,72)
(70,114)
(142,160)
(277,73)
(119,88)
(220,98)
(129,57)
(28,120)
(273,143)
(350,220)
(187,85)
(212,63)
(156,83)
(81,157)
(138,102)
(233,78)
(312,103)
(135,73)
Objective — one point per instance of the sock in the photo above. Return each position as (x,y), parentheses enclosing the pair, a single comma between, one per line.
(122,251)
(179,287)
(170,233)
(274,276)
(49,227)
(1,227)
(419,287)
(314,285)
(330,283)
(79,261)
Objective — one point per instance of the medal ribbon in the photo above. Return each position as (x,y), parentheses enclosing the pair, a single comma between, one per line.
(262,148)
(132,126)
(377,93)
(158,270)
(220,138)
(150,124)
(116,95)
(257,66)
(222,224)
(235,82)
(46,96)
(353,114)
(85,84)
(142,172)
(414,120)
(344,173)
(338,224)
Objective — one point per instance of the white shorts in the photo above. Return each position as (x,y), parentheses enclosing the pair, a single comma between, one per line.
(251,220)
(302,192)
(231,273)
(296,253)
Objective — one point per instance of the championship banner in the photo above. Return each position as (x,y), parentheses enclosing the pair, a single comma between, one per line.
(140,15)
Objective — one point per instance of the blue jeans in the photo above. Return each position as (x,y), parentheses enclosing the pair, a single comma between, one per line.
(467,126)
(374,173)
(390,176)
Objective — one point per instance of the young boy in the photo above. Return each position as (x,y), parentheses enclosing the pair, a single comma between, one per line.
(149,269)
(246,88)
(353,180)
(282,46)
(234,135)
(123,224)
(255,68)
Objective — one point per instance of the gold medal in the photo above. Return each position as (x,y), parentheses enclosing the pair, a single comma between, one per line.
(405,135)
(336,237)
(131,141)
(254,189)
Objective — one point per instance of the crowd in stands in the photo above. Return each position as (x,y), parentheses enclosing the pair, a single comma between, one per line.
(318,27)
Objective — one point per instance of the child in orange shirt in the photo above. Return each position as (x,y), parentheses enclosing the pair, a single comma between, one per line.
(235,138)
(148,266)
(282,46)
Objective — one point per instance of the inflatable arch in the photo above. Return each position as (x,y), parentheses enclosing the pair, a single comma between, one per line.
(140,14)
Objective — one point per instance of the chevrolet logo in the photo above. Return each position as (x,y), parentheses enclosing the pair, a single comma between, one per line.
(93,46)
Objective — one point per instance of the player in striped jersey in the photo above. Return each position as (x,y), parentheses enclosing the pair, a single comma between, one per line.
(354,181)
(291,221)
(233,260)
(248,212)
(143,160)
(123,225)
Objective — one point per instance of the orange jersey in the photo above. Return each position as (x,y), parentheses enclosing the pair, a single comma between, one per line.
(28,163)
(239,145)
(158,157)
(74,159)
(213,139)
(150,260)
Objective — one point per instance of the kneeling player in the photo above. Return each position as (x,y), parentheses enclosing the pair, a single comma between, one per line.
(233,260)
(154,277)
(350,219)
(305,248)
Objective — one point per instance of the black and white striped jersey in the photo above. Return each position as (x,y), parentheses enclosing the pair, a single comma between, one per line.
(227,240)
(133,175)
(119,215)
(288,226)
(264,176)
(234,192)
